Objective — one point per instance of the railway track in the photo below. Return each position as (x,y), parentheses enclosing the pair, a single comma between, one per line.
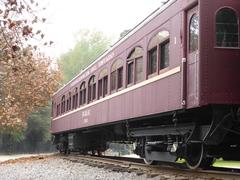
(163,171)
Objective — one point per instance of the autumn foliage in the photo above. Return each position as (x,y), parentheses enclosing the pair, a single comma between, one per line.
(27,78)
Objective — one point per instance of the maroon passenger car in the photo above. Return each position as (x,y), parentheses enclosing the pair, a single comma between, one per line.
(171,86)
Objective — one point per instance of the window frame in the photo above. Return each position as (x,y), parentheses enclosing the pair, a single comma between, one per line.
(133,70)
(133,59)
(82,94)
(70,101)
(103,83)
(155,43)
(118,72)
(119,64)
(63,108)
(167,41)
(215,28)
(189,33)
(92,89)
(157,63)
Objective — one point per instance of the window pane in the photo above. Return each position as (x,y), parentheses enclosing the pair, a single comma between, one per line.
(81,98)
(130,73)
(76,103)
(105,85)
(117,64)
(139,69)
(73,102)
(158,39)
(70,102)
(89,93)
(227,28)
(113,80)
(164,62)
(94,92)
(92,89)
(84,96)
(194,33)
(152,61)
(135,53)
(67,104)
(100,88)
(120,78)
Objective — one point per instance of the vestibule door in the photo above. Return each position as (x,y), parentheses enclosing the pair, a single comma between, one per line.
(192,57)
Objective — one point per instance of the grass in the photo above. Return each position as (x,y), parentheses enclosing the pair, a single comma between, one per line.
(220,163)
(230,164)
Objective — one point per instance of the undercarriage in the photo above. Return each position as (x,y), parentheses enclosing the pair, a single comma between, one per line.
(198,136)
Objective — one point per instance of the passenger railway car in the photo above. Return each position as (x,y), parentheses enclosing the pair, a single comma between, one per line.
(171,86)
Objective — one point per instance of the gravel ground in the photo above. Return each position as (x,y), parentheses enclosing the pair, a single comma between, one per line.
(16,156)
(57,168)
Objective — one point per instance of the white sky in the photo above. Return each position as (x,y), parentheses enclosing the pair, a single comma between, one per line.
(66,17)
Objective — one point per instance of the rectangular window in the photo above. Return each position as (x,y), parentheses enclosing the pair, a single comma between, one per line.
(70,103)
(89,93)
(57,110)
(81,98)
(94,91)
(152,63)
(120,77)
(113,80)
(84,96)
(76,99)
(100,93)
(105,86)
(73,103)
(130,73)
(67,104)
(164,55)
(139,69)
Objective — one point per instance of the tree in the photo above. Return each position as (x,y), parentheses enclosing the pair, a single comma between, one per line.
(38,126)
(89,45)
(27,78)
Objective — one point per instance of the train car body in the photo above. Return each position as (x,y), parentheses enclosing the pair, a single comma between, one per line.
(171,86)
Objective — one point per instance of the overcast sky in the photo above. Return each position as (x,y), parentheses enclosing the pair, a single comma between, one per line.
(66,17)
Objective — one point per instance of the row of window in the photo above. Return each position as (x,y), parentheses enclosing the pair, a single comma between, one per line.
(158,59)
(227,29)
(227,35)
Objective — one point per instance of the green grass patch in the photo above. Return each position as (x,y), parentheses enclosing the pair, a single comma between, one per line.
(230,164)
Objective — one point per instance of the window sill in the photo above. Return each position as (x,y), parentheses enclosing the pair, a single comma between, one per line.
(233,48)
(119,89)
(152,75)
(164,70)
(129,85)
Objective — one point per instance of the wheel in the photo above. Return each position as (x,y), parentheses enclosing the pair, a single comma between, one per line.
(196,156)
(149,162)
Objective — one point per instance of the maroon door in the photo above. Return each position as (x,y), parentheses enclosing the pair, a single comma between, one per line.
(192,58)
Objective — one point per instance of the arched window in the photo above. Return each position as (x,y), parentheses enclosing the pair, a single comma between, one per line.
(158,52)
(135,66)
(103,83)
(193,33)
(117,75)
(82,96)
(92,89)
(63,105)
(227,33)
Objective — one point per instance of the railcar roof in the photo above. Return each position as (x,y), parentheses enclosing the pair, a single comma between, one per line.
(129,34)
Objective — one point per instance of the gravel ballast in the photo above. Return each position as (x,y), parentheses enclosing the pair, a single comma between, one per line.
(58,168)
